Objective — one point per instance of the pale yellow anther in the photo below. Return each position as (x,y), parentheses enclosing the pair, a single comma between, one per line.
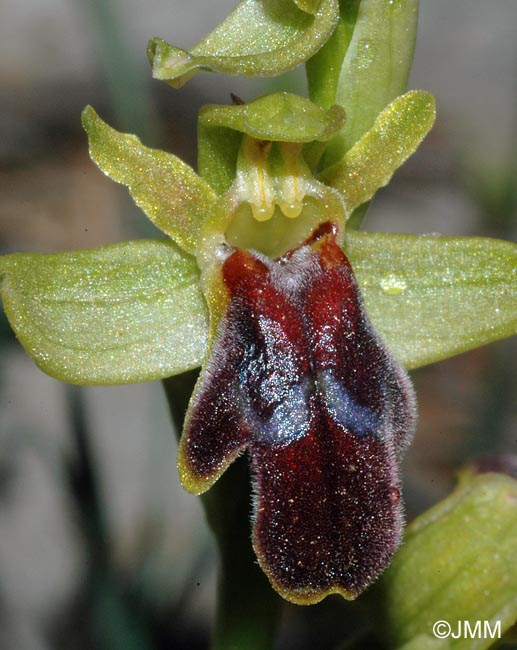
(291,210)
(270,175)
(291,186)
(257,188)
(262,212)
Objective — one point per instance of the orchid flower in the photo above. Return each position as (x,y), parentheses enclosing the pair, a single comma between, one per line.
(303,325)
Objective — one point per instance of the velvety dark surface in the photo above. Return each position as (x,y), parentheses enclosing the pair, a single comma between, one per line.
(299,378)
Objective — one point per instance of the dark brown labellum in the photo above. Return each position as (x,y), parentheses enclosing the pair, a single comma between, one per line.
(299,379)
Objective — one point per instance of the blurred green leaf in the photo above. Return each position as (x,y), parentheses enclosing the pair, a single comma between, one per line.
(259,38)
(431,297)
(172,195)
(365,66)
(373,159)
(457,564)
(113,315)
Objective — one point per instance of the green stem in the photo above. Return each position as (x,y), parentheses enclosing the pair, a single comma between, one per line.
(248,610)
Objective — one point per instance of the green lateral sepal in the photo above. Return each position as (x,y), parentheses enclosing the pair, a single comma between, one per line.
(433,297)
(118,314)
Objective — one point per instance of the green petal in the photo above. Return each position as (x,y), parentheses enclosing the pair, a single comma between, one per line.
(172,195)
(259,38)
(372,161)
(113,315)
(432,297)
(457,564)
(365,65)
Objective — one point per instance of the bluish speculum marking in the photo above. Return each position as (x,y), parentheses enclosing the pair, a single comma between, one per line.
(360,419)
(273,384)
(289,418)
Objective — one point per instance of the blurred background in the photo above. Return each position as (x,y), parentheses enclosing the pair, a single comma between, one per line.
(99,546)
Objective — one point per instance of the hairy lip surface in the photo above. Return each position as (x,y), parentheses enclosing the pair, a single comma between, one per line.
(298,377)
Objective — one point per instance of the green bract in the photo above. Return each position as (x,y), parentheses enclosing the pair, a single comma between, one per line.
(259,37)
(365,64)
(457,563)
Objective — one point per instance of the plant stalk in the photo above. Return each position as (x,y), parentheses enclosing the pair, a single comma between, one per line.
(248,610)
